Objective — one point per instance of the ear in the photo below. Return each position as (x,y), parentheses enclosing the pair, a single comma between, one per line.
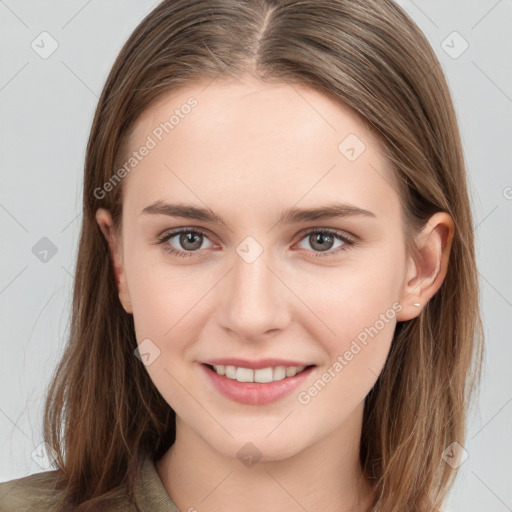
(427,270)
(104,220)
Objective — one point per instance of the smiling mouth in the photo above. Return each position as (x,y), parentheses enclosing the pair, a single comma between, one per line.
(262,375)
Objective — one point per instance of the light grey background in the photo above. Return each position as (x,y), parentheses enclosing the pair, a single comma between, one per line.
(46,108)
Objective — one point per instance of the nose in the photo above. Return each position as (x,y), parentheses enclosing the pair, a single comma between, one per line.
(253,301)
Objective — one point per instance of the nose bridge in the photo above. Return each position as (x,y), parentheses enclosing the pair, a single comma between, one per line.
(253,299)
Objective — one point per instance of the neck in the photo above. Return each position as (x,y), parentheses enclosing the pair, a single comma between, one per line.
(325,476)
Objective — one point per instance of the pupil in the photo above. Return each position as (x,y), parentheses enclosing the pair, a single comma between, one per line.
(190,238)
(321,239)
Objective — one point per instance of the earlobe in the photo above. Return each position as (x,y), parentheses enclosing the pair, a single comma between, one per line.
(427,269)
(104,220)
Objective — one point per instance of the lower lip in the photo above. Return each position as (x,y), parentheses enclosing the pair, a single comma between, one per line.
(255,393)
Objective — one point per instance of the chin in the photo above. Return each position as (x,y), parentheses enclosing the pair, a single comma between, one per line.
(250,449)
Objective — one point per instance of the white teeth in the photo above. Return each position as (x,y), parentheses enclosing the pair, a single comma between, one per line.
(290,372)
(262,375)
(244,375)
(279,373)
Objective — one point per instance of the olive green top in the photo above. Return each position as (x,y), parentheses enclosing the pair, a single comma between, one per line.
(32,493)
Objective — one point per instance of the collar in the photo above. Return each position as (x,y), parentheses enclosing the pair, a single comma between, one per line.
(150,493)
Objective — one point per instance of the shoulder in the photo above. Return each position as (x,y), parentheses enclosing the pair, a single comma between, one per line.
(43,492)
(34,492)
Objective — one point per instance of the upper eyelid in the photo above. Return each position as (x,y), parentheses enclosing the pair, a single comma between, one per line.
(186,229)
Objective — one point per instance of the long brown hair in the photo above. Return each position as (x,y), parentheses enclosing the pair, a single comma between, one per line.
(103,412)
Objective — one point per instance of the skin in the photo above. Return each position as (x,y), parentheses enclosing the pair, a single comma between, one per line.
(248,151)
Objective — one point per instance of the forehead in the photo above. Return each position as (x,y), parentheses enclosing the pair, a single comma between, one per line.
(258,142)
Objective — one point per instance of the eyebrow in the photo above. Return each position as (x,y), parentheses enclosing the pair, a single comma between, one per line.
(289,216)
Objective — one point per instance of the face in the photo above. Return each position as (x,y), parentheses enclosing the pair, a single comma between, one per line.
(301,260)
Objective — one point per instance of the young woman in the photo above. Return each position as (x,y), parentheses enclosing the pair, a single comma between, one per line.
(276,299)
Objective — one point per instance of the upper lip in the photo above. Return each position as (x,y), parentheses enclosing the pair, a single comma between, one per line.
(255,365)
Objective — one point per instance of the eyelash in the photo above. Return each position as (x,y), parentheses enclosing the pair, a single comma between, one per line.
(347,241)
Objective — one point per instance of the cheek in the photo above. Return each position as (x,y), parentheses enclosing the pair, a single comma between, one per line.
(346,300)
(163,302)
(170,307)
(161,296)
(355,357)
(354,322)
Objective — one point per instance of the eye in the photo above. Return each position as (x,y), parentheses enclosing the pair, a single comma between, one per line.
(326,242)
(184,242)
